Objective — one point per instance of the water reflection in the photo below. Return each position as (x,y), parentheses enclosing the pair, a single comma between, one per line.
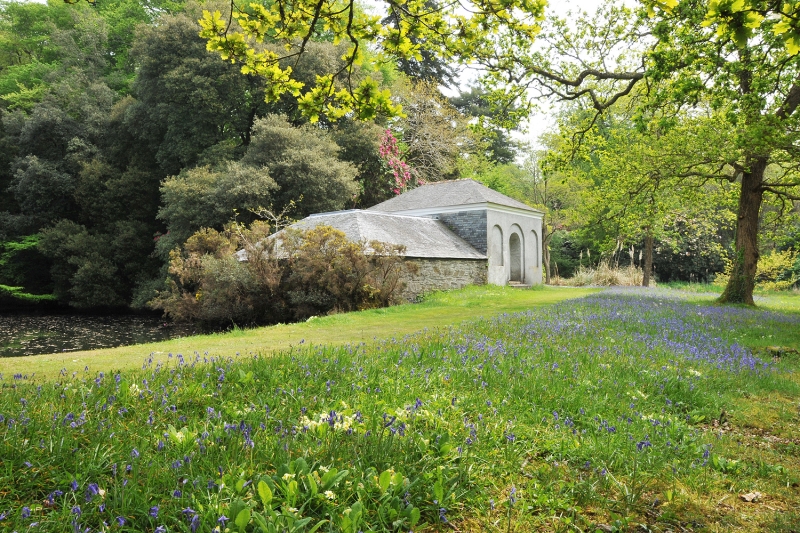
(43,334)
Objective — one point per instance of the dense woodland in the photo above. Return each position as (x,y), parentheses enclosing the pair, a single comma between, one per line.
(122,136)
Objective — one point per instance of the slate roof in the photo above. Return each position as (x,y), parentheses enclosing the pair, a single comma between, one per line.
(422,237)
(446,194)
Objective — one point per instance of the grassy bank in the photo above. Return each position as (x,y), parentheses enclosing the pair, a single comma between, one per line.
(439,309)
(621,409)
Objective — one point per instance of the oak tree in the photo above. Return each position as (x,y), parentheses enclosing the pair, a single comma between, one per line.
(738,56)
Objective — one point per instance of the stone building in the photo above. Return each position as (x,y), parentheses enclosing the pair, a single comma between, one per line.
(459,233)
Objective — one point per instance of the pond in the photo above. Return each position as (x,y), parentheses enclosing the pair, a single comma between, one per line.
(22,334)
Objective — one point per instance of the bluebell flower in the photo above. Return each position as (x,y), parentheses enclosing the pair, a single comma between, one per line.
(92,490)
(153,511)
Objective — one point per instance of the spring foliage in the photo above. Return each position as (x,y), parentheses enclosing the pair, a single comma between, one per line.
(460,32)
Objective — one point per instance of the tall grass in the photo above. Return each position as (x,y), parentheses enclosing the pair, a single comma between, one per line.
(605,274)
(592,412)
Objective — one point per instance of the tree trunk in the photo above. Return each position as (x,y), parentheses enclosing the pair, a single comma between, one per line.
(648,258)
(546,258)
(742,281)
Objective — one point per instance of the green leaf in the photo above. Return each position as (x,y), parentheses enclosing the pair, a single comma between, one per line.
(312,485)
(265,494)
(262,523)
(356,511)
(299,466)
(438,492)
(384,480)
(291,492)
(317,526)
(397,479)
(332,477)
(242,519)
(300,524)
(414,518)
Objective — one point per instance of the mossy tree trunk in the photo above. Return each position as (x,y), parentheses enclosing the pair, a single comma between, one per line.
(546,257)
(743,274)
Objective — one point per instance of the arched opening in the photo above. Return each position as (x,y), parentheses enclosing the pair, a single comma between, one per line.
(496,248)
(515,253)
(535,244)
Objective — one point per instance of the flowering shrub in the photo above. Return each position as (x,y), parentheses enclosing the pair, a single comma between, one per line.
(389,151)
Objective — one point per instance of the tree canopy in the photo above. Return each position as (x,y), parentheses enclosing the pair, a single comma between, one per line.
(736,58)
(461,32)
(117,120)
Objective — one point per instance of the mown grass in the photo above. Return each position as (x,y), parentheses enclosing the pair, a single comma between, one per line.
(787,301)
(437,310)
(625,410)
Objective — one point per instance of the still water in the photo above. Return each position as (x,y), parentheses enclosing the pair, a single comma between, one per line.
(22,334)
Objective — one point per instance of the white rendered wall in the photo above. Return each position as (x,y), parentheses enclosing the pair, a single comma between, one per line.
(529,230)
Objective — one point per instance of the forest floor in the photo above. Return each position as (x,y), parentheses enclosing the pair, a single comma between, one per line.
(623,410)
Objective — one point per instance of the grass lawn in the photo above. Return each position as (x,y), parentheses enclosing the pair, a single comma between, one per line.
(625,410)
(438,310)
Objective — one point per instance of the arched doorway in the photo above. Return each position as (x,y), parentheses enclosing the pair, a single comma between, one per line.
(515,253)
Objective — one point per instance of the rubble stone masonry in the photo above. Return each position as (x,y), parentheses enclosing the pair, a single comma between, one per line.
(443,274)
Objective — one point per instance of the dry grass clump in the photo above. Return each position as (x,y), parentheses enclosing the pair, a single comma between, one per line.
(605,274)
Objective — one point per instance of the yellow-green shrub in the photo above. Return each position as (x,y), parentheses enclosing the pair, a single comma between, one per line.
(775,271)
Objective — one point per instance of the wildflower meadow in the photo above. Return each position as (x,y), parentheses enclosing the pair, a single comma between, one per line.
(622,410)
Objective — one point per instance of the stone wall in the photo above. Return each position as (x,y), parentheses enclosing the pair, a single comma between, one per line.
(443,274)
(469,225)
